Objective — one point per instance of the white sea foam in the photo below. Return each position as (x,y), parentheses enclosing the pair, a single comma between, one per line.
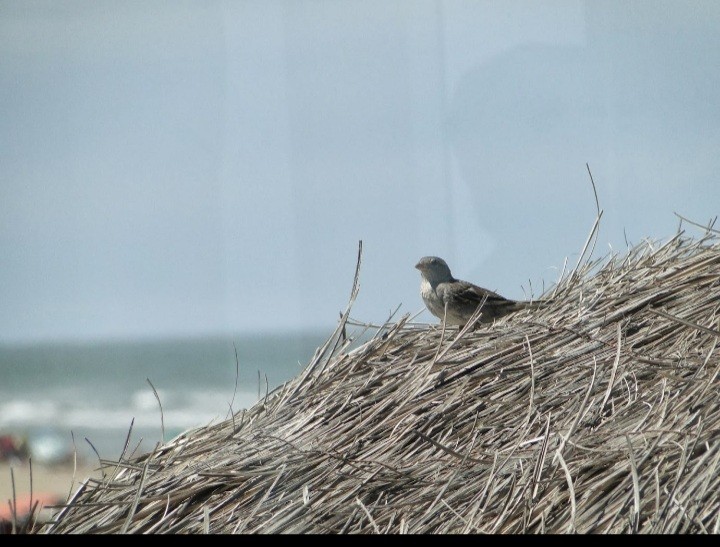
(180,410)
(24,412)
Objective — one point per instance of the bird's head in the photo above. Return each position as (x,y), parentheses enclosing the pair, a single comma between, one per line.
(434,269)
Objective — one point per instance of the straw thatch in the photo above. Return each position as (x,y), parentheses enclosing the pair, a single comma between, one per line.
(597,413)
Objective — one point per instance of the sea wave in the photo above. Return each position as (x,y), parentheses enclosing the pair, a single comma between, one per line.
(180,409)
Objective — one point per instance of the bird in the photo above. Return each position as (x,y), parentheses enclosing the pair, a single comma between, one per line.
(455,301)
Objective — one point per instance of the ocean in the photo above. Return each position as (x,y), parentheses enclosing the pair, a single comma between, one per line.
(57,395)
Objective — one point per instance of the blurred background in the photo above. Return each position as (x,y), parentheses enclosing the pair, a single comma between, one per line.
(183,179)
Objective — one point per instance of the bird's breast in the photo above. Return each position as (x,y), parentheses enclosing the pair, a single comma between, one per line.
(432,299)
(426,290)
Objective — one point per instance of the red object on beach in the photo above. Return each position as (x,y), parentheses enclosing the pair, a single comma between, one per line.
(24,505)
(12,447)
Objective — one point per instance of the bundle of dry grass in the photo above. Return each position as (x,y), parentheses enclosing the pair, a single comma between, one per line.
(598,413)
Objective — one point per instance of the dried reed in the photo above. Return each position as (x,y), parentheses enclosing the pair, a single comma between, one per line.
(598,413)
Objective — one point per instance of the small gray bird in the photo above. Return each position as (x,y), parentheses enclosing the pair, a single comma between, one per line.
(456,300)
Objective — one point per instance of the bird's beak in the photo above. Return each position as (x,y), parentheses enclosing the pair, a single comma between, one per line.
(418,266)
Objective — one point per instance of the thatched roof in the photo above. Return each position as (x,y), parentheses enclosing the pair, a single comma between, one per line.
(598,413)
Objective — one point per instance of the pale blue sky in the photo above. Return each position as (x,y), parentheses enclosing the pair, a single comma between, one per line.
(184,168)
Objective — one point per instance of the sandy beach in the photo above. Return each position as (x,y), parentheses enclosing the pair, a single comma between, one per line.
(50,484)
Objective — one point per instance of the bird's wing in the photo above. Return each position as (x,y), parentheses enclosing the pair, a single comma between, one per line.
(464,295)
